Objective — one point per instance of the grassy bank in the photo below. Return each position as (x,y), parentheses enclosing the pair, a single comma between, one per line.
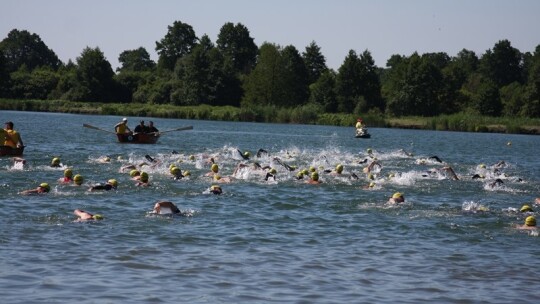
(308,114)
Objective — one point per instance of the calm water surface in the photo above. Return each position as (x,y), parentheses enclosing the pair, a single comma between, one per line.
(276,241)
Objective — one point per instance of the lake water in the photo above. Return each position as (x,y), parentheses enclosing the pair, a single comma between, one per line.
(263,241)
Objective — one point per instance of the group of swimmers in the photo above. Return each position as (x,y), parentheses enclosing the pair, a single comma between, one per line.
(250,166)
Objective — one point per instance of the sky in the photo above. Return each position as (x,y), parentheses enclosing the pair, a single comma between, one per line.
(384,27)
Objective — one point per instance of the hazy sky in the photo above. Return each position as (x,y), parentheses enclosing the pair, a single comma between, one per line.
(384,27)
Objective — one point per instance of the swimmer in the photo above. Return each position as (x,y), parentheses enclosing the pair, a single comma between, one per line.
(271,174)
(372,165)
(451,171)
(18,163)
(143,181)
(85,216)
(497,183)
(214,169)
(396,198)
(55,162)
(530,224)
(104,160)
(109,185)
(262,153)
(314,180)
(290,168)
(222,179)
(135,174)
(526,208)
(537,201)
(163,207)
(68,175)
(78,179)
(245,155)
(41,189)
(215,189)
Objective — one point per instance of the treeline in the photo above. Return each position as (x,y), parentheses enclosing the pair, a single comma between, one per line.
(233,71)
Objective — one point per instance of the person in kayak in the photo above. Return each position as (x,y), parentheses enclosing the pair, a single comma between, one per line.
(12,138)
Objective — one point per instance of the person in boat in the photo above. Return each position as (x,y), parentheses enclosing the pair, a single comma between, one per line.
(360,123)
(12,137)
(68,177)
(396,198)
(122,127)
(41,189)
(164,207)
(150,128)
(530,223)
(109,185)
(85,216)
(140,128)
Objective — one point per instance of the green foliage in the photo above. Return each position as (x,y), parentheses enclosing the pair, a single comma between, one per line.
(22,48)
(314,61)
(178,42)
(137,60)
(323,93)
(237,46)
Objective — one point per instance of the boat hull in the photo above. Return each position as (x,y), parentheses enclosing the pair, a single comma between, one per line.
(9,151)
(362,133)
(140,138)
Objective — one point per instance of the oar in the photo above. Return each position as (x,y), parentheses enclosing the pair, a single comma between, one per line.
(178,129)
(96,128)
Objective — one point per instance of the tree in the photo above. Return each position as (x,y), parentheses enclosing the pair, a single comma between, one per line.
(4,77)
(531,106)
(37,84)
(178,42)
(264,85)
(94,77)
(21,47)
(137,60)
(296,77)
(503,64)
(236,44)
(322,92)
(314,61)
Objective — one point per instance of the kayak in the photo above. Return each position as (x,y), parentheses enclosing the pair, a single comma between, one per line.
(362,133)
(140,138)
(9,151)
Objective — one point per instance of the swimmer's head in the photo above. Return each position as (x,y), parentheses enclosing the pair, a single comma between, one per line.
(97,216)
(68,173)
(119,157)
(45,187)
(300,175)
(272,171)
(214,168)
(55,161)
(530,221)
(78,179)
(106,159)
(144,177)
(175,171)
(311,169)
(526,208)
(187,173)
(370,176)
(217,177)
(305,172)
(216,189)
(483,166)
(134,173)
(398,197)
(172,166)
(339,168)
(391,175)
(369,151)
(113,182)
(247,154)
(192,157)
(315,176)
(372,184)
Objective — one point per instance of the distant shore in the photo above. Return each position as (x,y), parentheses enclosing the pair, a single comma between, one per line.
(302,115)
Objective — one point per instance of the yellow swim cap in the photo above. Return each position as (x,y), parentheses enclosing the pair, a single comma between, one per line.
(192,157)
(68,173)
(55,161)
(483,166)
(113,182)
(106,159)
(78,179)
(372,184)
(97,217)
(272,171)
(300,175)
(397,195)
(339,168)
(214,168)
(172,166)
(530,221)
(187,173)
(217,177)
(370,176)
(119,157)
(45,187)
(134,173)
(311,169)
(247,154)
(369,151)
(315,176)
(305,172)
(175,170)
(526,208)
(144,177)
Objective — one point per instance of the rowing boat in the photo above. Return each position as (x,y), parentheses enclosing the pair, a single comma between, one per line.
(139,138)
